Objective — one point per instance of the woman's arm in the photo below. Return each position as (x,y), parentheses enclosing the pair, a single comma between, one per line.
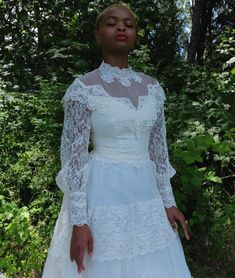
(73,176)
(158,152)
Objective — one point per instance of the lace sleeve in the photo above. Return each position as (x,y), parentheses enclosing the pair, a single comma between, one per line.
(72,178)
(158,152)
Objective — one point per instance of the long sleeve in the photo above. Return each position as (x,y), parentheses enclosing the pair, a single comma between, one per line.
(72,179)
(158,152)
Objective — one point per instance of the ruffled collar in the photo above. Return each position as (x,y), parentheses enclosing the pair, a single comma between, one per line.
(124,76)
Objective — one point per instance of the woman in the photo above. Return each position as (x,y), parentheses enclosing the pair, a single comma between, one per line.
(118,217)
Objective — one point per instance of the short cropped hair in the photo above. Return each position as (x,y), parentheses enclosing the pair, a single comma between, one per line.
(118,5)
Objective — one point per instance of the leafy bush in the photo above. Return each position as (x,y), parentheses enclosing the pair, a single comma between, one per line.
(203,152)
(31,126)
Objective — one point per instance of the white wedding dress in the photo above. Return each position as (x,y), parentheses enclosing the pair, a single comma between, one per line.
(121,187)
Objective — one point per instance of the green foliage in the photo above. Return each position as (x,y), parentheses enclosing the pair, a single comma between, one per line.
(21,237)
(203,152)
(140,60)
(24,235)
(55,39)
(31,126)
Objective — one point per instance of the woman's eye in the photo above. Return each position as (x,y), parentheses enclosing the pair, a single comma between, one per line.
(129,24)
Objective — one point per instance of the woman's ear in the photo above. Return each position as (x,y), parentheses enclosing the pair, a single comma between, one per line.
(97,36)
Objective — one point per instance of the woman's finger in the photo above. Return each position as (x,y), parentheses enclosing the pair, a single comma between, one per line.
(184,226)
(81,252)
(174,225)
(72,253)
(90,247)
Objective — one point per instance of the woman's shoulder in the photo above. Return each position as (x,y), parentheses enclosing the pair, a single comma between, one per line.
(81,81)
(90,77)
(146,78)
(80,87)
(153,85)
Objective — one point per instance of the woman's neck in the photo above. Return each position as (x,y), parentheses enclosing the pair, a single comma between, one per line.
(120,61)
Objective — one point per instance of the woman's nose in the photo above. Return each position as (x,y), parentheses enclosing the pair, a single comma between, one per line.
(121,27)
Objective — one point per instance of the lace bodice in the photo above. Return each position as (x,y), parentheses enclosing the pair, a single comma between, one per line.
(122,111)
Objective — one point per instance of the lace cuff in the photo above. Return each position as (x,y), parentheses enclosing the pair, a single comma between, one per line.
(165,189)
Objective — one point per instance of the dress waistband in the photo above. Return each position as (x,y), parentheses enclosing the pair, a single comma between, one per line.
(119,156)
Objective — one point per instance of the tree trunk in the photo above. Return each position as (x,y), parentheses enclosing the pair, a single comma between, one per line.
(201,13)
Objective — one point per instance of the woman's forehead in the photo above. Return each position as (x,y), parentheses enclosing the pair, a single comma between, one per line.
(118,12)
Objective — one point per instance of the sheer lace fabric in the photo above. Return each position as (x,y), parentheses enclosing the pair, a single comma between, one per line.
(74,158)
(158,151)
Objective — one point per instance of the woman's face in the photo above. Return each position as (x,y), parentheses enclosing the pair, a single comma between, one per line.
(117,30)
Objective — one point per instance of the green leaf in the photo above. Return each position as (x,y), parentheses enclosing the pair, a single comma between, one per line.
(211,176)
(233,71)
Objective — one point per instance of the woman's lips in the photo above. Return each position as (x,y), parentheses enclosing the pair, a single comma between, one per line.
(121,37)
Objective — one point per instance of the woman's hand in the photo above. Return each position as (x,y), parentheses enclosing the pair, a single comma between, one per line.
(81,238)
(174,214)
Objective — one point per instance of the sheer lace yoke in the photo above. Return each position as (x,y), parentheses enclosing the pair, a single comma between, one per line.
(124,85)
(135,103)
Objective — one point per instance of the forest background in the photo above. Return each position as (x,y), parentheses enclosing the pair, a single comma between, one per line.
(189,46)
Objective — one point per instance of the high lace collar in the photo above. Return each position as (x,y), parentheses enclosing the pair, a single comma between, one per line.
(124,75)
